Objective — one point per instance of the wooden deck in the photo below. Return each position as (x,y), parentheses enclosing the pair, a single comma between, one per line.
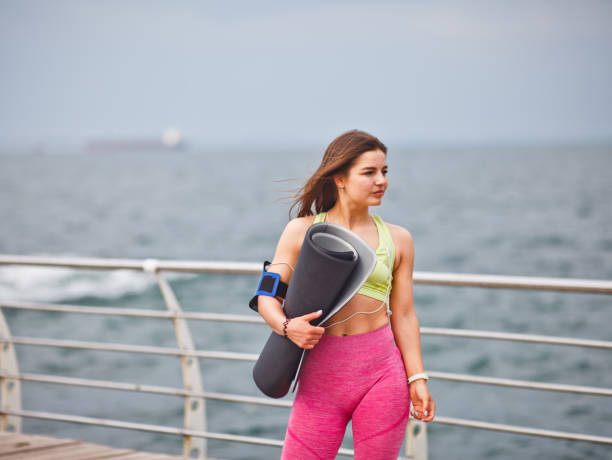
(35,447)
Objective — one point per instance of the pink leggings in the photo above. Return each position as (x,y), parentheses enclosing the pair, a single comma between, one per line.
(359,377)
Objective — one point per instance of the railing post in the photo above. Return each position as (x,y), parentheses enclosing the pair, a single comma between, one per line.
(416,440)
(10,389)
(195,409)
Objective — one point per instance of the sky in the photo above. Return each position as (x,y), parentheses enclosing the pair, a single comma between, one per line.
(286,73)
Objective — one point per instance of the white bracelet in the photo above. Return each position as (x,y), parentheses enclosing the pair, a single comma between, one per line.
(419,376)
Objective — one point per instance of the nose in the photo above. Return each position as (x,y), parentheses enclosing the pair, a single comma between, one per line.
(381,178)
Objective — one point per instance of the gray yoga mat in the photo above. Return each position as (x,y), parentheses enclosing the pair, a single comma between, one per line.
(333,264)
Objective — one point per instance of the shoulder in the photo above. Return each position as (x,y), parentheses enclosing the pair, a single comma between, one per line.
(299,225)
(401,236)
(296,229)
(290,242)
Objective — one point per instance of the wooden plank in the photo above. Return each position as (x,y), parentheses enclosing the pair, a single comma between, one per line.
(78,451)
(35,447)
(11,444)
(144,456)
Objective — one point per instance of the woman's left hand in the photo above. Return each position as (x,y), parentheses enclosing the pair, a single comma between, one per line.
(422,402)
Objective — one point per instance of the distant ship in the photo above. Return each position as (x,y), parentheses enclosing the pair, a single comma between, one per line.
(170,140)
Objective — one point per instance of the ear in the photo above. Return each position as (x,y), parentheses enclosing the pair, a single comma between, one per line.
(339,180)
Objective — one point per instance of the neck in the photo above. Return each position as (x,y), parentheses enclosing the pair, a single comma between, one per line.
(348,215)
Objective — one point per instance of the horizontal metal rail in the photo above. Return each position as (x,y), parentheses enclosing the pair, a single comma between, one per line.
(143,388)
(116,347)
(515,282)
(140,427)
(523,430)
(110,423)
(132,312)
(526,384)
(271,442)
(473,334)
(246,268)
(465,333)
(253,268)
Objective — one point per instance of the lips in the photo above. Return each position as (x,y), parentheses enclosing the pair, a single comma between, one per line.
(379,193)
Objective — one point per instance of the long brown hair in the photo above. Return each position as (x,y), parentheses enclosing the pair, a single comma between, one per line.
(320,189)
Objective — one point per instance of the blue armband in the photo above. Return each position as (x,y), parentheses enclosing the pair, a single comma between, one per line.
(269,285)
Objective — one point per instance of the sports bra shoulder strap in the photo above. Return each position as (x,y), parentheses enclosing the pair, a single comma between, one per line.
(381,225)
(385,234)
(320,217)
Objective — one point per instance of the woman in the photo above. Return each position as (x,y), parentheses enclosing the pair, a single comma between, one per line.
(358,367)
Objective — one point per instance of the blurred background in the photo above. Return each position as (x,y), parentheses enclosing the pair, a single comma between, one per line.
(178,130)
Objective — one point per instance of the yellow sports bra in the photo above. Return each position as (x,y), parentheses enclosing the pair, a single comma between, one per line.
(378,285)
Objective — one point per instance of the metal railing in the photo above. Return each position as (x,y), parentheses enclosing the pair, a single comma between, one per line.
(194,432)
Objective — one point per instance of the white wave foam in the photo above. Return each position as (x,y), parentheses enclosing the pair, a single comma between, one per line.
(60,284)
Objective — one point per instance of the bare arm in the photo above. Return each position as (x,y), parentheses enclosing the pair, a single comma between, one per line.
(405,324)
(299,330)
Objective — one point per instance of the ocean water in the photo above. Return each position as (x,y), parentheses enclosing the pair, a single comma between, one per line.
(534,212)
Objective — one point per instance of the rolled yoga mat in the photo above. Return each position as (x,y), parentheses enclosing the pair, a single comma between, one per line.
(331,267)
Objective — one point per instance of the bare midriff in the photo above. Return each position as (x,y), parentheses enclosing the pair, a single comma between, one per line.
(360,323)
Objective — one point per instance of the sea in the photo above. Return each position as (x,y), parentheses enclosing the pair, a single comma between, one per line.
(530,211)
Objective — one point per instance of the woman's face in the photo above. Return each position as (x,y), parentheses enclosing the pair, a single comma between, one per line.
(366,180)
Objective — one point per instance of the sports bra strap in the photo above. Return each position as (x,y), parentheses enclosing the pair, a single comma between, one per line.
(320,217)
(385,237)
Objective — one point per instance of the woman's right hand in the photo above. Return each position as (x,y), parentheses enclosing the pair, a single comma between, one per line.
(304,334)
